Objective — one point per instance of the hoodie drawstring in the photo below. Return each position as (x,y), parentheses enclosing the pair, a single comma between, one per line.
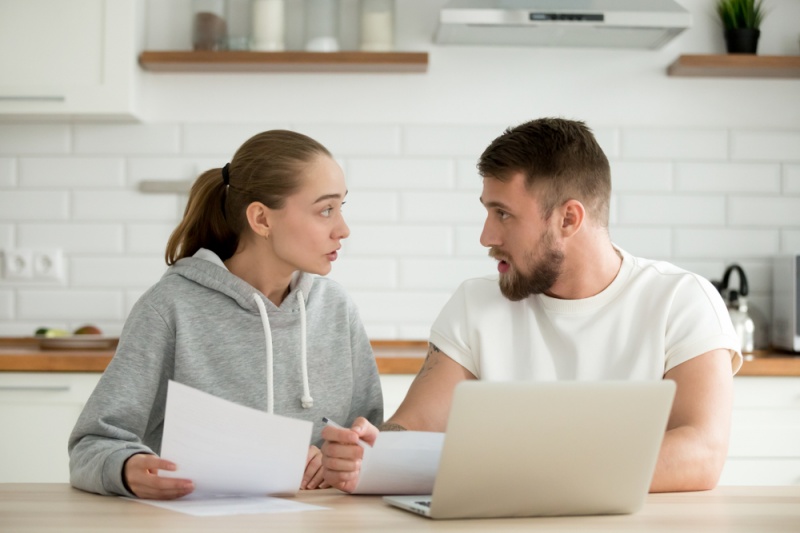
(268,337)
(306,400)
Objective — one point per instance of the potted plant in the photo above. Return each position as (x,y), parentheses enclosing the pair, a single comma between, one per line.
(742,20)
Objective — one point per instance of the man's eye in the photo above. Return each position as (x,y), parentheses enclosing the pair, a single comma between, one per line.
(502,215)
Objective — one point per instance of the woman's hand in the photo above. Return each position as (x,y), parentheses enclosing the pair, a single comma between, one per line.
(140,474)
(313,478)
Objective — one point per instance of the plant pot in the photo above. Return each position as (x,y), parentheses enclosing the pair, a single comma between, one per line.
(742,40)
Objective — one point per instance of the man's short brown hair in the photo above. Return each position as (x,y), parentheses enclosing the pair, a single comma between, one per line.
(560,158)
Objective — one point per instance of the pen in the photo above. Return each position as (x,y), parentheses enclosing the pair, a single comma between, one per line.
(329,422)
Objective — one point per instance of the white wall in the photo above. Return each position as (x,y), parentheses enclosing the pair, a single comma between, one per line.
(705,171)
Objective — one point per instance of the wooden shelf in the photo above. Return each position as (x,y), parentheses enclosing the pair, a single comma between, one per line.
(736,66)
(244,61)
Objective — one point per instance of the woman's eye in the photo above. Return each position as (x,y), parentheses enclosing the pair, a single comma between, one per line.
(327,212)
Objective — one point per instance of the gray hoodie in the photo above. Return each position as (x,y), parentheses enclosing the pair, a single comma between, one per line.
(201,326)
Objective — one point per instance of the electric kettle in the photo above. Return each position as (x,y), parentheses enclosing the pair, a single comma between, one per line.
(737,306)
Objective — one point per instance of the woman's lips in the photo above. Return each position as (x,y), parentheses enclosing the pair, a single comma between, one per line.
(332,256)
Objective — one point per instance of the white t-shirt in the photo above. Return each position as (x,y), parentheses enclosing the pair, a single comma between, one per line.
(653,317)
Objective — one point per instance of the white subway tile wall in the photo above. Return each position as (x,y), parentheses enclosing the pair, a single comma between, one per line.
(642,176)
(7,172)
(73,238)
(148,239)
(71,173)
(765,146)
(133,139)
(33,206)
(6,304)
(6,235)
(790,241)
(38,139)
(676,144)
(791,179)
(700,198)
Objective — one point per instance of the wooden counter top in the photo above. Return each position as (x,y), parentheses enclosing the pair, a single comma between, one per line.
(59,508)
(22,354)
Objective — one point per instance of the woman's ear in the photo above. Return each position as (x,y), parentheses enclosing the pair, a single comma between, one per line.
(573,215)
(258,217)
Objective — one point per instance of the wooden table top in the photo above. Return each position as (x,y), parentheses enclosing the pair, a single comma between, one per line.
(58,508)
(23,354)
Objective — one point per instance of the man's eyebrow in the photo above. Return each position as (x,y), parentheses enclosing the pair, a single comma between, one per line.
(499,205)
(329,196)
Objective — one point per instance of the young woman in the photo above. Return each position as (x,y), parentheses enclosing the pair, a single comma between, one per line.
(238,315)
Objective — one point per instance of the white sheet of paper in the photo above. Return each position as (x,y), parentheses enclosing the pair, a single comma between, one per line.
(229,449)
(401,462)
(232,506)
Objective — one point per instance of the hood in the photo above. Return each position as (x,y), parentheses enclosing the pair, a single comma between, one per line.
(563,23)
(208,270)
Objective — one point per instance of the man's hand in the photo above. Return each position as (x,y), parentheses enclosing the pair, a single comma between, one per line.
(141,476)
(313,476)
(341,453)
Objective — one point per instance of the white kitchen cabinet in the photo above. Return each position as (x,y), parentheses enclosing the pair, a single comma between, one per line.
(73,59)
(37,413)
(39,409)
(394,387)
(765,435)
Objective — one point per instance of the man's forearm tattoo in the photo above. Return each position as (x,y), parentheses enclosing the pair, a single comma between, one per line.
(391,426)
(430,361)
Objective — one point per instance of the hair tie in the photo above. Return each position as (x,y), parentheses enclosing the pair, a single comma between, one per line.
(226,177)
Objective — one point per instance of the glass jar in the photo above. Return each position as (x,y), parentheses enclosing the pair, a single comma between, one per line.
(209,31)
(377,25)
(322,25)
(238,17)
(268,25)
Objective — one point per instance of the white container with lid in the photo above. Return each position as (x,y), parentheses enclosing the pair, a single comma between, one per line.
(377,25)
(268,25)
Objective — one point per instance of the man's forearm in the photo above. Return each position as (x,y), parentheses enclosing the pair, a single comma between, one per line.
(688,462)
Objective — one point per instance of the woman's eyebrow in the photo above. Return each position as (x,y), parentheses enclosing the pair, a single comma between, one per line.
(329,196)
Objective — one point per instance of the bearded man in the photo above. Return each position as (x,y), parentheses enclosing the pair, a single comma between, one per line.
(568,304)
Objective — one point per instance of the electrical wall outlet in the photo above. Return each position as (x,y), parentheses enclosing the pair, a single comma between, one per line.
(18,265)
(33,265)
(48,265)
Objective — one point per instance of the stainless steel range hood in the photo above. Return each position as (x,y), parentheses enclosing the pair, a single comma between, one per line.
(569,23)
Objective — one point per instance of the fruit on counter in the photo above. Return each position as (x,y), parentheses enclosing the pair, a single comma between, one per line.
(51,332)
(88,330)
(56,332)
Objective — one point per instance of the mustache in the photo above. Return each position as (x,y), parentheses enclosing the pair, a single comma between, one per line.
(496,253)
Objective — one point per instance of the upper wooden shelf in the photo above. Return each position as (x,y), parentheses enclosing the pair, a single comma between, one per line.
(245,61)
(736,66)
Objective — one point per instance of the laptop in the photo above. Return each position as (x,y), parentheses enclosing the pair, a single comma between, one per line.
(547,449)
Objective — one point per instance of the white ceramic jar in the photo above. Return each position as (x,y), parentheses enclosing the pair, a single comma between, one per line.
(268,25)
(377,25)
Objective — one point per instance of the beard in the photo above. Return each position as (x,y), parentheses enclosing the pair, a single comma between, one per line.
(541,275)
